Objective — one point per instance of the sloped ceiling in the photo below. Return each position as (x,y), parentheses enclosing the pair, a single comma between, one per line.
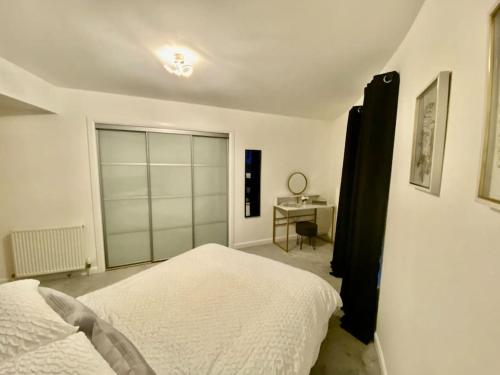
(298,58)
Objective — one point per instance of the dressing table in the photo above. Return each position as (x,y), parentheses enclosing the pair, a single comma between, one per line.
(291,209)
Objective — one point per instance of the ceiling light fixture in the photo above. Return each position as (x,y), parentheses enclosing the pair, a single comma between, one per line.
(179,66)
(177,60)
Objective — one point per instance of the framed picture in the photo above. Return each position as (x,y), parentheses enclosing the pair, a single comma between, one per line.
(489,181)
(429,134)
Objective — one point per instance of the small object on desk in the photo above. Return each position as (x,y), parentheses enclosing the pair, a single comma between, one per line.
(319,202)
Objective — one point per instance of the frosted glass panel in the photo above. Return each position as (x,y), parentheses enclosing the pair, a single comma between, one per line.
(168,180)
(210,190)
(128,248)
(122,146)
(120,181)
(169,148)
(171,213)
(172,217)
(212,151)
(128,215)
(211,233)
(124,183)
(210,180)
(172,242)
(210,208)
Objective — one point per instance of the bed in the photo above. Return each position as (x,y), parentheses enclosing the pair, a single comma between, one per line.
(215,310)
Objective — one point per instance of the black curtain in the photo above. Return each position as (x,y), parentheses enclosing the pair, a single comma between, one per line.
(345,208)
(370,194)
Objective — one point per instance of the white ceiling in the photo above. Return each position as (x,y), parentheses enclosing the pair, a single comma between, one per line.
(307,58)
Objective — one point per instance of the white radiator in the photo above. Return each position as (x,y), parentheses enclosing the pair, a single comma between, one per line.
(44,251)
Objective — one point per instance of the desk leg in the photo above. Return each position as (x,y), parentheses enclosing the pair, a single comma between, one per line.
(315,215)
(287,229)
(275,221)
(274,224)
(328,236)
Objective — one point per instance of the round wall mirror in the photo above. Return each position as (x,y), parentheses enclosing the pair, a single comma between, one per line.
(297,183)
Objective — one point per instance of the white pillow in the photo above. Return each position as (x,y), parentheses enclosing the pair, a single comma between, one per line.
(71,355)
(26,320)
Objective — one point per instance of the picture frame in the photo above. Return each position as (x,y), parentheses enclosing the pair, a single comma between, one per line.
(489,178)
(429,134)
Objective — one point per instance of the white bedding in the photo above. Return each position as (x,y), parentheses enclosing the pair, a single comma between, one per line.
(26,321)
(214,310)
(72,355)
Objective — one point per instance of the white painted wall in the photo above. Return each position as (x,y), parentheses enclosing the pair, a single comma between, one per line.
(18,84)
(45,166)
(439,302)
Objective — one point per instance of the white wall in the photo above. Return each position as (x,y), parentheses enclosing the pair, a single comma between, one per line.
(439,302)
(18,84)
(45,167)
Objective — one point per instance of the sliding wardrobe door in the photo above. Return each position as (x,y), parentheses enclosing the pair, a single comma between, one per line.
(124,185)
(162,192)
(171,194)
(210,190)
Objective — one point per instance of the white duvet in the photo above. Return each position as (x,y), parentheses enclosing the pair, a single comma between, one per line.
(214,310)
(73,355)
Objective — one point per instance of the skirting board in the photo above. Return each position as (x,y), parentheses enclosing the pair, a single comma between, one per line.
(242,245)
(380,355)
(53,276)
(265,241)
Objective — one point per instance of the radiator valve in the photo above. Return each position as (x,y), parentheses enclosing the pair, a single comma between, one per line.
(88,264)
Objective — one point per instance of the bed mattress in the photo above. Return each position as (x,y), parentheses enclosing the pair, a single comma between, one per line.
(215,310)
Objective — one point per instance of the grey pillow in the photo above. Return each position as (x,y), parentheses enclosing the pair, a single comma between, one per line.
(114,347)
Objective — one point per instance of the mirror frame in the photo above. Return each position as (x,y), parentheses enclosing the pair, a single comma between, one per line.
(290,177)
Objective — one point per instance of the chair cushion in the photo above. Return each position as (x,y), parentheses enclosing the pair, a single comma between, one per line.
(306,228)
